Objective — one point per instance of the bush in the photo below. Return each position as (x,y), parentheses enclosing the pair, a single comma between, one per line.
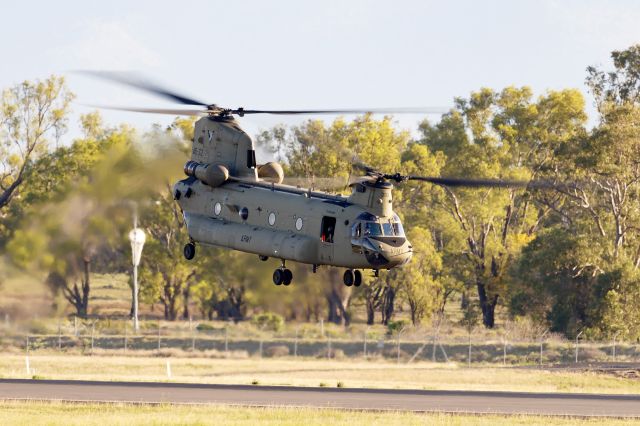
(39,327)
(334,353)
(269,321)
(205,327)
(276,351)
(395,327)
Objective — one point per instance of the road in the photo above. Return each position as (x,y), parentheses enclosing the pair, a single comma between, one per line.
(361,399)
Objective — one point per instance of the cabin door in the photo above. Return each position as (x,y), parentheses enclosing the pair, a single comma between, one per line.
(327,231)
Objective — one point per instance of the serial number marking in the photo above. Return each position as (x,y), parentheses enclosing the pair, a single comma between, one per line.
(245,238)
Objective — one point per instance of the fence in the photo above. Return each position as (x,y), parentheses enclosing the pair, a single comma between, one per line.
(222,343)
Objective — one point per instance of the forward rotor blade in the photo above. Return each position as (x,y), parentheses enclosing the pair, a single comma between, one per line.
(168,111)
(132,80)
(418,110)
(484,183)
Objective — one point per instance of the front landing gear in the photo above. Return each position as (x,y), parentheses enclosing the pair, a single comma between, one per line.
(352,277)
(189,251)
(282,275)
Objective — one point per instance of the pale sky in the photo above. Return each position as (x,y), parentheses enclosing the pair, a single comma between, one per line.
(311,54)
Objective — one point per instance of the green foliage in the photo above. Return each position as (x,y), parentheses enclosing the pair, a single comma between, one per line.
(394,328)
(268,321)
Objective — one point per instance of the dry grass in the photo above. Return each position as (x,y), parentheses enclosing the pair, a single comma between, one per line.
(312,372)
(29,413)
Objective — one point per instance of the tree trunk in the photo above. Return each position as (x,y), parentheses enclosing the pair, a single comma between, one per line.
(487,304)
(338,298)
(186,298)
(387,306)
(371,312)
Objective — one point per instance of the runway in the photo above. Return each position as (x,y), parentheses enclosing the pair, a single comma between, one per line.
(342,398)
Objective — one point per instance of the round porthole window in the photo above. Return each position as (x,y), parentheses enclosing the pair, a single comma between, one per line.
(272,218)
(217,208)
(244,213)
(299,223)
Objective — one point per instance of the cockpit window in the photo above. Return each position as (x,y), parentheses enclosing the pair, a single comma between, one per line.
(388,229)
(398,230)
(372,229)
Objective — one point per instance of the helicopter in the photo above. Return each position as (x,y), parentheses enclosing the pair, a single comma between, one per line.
(229,200)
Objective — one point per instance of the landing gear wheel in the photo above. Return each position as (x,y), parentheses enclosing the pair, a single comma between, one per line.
(288,277)
(348,277)
(357,278)
(189,251)
(263,258)
(278,276)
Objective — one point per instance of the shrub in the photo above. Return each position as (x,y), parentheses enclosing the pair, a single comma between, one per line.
(269,321)
(276,351)
(334,353)
(395,327)
(205,327)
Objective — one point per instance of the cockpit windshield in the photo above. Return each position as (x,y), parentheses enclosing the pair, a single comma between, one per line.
(371,226)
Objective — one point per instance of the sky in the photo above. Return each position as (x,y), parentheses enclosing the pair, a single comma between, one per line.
(311,54)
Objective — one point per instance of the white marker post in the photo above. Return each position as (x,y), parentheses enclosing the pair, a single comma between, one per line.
(137,238)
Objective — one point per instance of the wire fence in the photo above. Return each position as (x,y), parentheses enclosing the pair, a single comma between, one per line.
(370,346)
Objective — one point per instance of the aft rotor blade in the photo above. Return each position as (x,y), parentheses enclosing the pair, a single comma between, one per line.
(168,111)
(418,110)
(483,183)
(131,80)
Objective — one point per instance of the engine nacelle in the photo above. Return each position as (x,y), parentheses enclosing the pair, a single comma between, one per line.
(210,174)
(271,172)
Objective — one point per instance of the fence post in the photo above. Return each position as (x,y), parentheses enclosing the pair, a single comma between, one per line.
(329,348)
(168,369)
(577,338)
(27,347)
(59,337)
(295,344)
(193,341)
(613,350)
(260,347)
(226,340)
(125,336)
(159,336)
(398,349)
(75,325)
(93,328)
(469,354)
(364,350)
(504,351)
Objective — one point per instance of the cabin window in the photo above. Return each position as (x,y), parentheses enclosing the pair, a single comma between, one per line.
(217,208)
(299,223)
(328,229)
(251,158)
(244,213)
(272,218)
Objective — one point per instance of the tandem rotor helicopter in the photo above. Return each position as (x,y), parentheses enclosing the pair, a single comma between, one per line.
(229,200)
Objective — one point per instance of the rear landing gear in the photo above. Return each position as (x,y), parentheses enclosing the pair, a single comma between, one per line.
(189,251)
(282,275)
(352,277)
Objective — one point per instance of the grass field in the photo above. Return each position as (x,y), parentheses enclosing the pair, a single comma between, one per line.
(29,413)
(309,372)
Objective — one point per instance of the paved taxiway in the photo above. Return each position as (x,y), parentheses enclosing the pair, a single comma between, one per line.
(364,399)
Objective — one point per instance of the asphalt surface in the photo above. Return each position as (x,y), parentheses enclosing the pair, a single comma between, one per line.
(359,399)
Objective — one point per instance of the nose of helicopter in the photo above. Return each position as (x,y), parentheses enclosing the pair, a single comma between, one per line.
(389,254)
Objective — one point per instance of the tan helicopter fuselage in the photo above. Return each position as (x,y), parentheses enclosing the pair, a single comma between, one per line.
(252,215)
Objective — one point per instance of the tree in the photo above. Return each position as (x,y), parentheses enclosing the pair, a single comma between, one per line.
(504,135)
(31,114)
(419,279)
(72,216)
